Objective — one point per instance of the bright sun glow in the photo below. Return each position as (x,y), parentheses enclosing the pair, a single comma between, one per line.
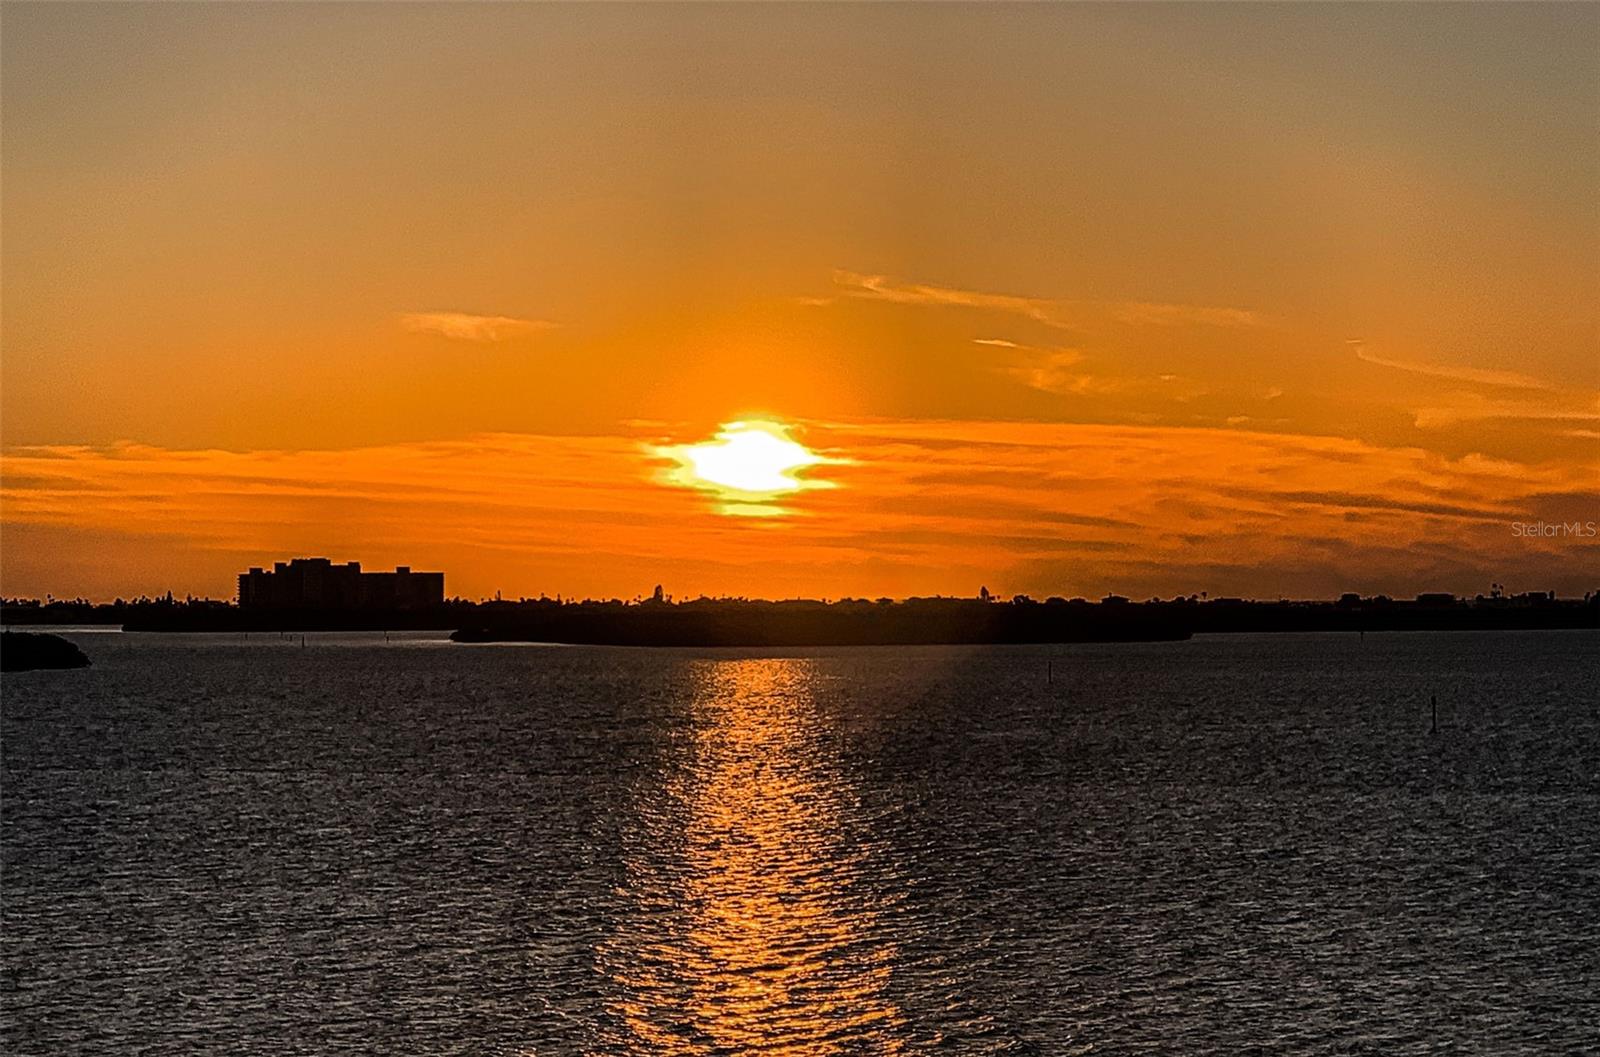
(750,457)
(746,463)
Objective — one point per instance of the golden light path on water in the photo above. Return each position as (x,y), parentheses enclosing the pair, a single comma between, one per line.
(747,465)
(747,932)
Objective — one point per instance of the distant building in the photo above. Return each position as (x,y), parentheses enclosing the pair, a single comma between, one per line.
(317,583)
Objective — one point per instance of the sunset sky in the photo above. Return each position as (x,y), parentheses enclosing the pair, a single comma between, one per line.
(1253,300)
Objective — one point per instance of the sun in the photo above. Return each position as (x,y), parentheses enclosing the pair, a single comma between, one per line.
(757,458)
(747,464)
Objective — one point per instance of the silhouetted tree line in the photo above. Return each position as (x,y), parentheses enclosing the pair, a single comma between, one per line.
(659,620)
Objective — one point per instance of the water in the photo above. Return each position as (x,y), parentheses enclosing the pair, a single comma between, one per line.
(1226,845)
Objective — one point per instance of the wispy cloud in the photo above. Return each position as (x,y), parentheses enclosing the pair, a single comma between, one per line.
(1073,372)
(1052,312)
(882,288)
(1475,408)
(1473,375)
(1052,371)
(999,343)
(462,326)
(1143,313)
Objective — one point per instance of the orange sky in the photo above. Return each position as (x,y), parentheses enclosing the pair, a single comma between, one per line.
(1077,299)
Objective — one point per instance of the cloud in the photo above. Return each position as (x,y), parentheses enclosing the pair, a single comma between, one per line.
(882,288)
(1138,313)
(1052,312)
(1478,410)
(999,343)
(1051,371)
(1354,500)
(1072,372)
(1551,407)
(461,326)
(1472,375)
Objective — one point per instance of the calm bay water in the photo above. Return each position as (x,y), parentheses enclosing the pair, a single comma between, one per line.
(409,847)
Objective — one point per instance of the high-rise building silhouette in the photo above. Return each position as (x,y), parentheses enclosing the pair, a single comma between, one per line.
(317,583)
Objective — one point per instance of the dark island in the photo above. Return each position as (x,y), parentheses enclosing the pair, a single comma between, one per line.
(968,621)
(916,621)
(26,651)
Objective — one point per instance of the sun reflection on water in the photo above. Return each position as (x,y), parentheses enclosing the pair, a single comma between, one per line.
(745,932)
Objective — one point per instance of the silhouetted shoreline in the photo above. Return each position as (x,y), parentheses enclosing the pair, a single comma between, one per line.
(939,621)
(916,621)
(803,623)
